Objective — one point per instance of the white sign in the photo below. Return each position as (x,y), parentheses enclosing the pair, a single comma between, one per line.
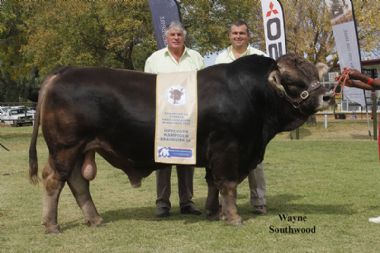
(346,42)
(176,118)
(274,28)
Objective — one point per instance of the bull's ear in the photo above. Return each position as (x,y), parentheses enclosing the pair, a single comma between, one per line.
(275,80)
(322,70)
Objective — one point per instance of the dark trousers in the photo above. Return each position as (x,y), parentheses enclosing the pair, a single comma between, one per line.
(185,176)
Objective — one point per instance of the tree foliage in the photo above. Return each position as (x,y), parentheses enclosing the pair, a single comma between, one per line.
(208,21)
(367,19)
(15,79)
(37,37)
(96,33)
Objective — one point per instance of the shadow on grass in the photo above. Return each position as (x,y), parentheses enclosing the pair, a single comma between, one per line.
(148,214)
(304,133)
(278,204)
(360,137)
(140,213)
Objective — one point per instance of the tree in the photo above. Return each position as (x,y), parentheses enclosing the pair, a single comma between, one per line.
(37,37)
(207,22)
(366,15)
(96,33)
(308,29)
(128,29)
(63,33)
(13,75)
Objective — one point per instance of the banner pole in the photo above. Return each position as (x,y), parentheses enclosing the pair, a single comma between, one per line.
(361,70)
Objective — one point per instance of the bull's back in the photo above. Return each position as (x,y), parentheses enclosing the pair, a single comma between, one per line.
(116,106)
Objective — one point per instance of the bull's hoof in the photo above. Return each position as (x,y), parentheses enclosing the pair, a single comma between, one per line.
(52,229)
(235,222)
(136,184)
(95,222)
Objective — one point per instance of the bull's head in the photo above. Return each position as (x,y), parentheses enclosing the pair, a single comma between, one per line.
(297,80)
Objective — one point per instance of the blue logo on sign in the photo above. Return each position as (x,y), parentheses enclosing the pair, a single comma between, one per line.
(174,152)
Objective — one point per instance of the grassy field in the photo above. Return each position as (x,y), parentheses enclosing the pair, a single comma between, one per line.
(330,176)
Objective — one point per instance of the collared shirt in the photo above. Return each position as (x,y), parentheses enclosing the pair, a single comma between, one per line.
(228,56)
(162,61)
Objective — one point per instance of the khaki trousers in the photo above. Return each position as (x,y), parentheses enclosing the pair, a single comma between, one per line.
(257,186)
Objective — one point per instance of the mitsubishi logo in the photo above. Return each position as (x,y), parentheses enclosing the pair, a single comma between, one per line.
(271,9)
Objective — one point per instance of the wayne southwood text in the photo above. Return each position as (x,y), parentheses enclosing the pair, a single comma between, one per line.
(292,228)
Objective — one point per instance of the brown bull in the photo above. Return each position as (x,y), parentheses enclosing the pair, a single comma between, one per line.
(241,107)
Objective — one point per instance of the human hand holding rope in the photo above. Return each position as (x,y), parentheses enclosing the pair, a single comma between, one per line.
(354,78)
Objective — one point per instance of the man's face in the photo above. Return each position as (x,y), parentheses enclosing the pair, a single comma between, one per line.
(239,36)
(175,39)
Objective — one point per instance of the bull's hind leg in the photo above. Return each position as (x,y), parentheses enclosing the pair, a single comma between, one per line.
(229,208)
(52,189)
(80,189)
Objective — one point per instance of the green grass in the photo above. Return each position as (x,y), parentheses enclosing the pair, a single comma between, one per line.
(331,176)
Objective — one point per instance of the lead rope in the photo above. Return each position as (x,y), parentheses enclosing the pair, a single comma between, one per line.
(341,81)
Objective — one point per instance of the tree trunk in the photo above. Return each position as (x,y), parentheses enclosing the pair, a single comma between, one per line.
(128,63)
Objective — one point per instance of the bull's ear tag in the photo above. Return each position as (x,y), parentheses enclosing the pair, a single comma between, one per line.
(275,80)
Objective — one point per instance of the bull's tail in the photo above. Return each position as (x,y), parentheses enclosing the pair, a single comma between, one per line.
(33,160)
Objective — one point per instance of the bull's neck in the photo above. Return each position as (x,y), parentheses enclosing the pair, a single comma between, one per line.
(281,117)
(291,118)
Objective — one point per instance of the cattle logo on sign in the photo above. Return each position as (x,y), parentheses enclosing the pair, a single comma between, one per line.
(163,152)
(176,95)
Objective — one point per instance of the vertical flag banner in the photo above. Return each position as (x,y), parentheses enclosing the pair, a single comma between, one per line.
(274,28)
(346,42)
(163,13)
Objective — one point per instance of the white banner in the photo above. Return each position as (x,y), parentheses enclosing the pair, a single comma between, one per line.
(274,28)
(346,42)
(176,118)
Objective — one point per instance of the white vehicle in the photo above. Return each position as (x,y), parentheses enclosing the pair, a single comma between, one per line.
(3,111)
(18,116)
(31,111)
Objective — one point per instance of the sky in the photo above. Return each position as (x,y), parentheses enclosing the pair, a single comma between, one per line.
(210,58)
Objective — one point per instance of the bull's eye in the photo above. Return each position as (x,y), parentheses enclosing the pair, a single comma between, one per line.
(294,89)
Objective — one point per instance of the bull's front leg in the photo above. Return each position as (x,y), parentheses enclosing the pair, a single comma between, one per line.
(224,163)
(228,190)
(212,203)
